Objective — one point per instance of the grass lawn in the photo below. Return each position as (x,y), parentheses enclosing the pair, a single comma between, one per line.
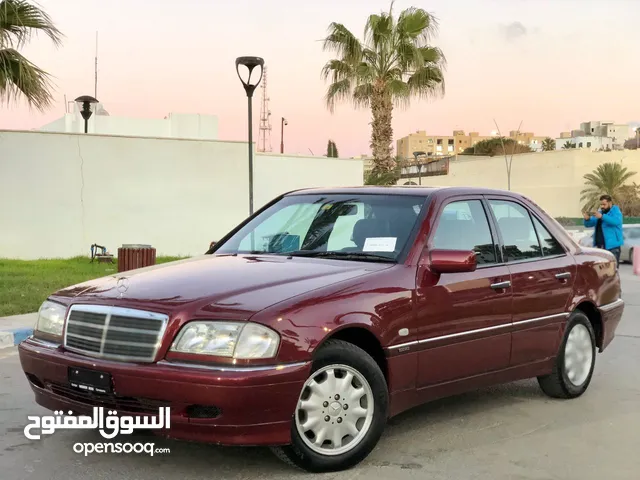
(25,284)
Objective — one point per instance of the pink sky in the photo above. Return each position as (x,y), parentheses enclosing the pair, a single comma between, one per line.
(550,63)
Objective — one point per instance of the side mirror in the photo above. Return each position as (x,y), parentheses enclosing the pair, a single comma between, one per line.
(452,261)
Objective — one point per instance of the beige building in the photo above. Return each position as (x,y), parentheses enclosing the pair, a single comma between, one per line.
(435,145)
(551,179)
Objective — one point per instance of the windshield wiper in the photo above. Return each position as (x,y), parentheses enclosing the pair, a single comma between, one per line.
(360,256)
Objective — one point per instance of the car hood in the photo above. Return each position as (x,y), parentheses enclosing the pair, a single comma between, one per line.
(237,285)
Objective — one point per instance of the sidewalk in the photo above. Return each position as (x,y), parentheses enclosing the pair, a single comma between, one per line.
(16,328)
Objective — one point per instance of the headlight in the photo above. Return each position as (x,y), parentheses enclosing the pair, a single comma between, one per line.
(51,318)
(227,339)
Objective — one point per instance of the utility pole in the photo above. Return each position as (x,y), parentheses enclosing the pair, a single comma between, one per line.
(95,92)
(264,137)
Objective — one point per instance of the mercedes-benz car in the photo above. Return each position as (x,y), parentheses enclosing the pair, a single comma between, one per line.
(329,311)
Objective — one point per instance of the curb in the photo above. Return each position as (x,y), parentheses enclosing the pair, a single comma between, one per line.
(11,338)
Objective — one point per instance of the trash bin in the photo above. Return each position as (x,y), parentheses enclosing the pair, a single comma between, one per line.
(132,256)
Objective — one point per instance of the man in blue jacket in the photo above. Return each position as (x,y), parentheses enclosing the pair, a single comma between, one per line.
(608,226)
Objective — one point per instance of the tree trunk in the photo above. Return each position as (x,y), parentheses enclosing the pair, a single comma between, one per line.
(381,131)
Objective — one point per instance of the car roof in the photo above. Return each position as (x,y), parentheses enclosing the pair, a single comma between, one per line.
(401,190)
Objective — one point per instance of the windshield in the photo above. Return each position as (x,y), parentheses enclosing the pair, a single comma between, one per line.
(350,227)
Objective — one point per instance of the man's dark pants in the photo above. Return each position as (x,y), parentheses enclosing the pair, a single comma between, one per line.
(616,253)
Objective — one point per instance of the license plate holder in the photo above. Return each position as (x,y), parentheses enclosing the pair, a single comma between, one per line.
(90,381)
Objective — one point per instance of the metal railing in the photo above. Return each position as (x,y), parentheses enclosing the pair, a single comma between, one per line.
(429,167)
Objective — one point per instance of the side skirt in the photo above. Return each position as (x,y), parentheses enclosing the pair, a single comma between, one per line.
(404,400)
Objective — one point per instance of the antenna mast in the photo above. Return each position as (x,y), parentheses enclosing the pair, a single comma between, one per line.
(264,138)
(95,94)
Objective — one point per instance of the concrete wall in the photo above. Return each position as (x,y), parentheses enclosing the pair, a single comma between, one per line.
(60,193)
(551,179)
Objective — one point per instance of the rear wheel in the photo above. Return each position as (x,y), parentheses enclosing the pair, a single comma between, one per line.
(574,365)
(341,411)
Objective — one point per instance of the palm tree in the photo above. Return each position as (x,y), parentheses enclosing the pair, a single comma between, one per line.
(609,179)
(568,144)
(548,144)
(393,64)
(391,177)
(19,20)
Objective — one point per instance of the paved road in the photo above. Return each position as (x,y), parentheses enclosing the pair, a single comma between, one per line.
(511,432)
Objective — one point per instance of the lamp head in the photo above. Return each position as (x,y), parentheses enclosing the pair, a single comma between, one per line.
(250,63)
(284,121)
(85,103)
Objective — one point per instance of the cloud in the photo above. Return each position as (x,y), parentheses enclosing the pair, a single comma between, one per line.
(513,31)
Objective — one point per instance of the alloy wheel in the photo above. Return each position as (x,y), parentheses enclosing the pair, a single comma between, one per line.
(335,410)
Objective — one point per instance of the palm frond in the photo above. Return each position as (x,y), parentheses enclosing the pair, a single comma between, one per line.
(427,82)
(337,70)
(362,95)
(434,56)
(20,20)
(400,92)
(417,24)
(337,92)
(18,76)
(378,30)
(342,42)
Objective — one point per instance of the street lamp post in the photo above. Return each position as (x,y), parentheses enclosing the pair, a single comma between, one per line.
(282,124)
(416,155)
(249,88)
(85,102)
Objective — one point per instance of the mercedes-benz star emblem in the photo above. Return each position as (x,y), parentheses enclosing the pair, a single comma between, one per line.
(122,286)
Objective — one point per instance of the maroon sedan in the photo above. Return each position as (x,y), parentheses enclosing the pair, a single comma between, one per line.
(328,312)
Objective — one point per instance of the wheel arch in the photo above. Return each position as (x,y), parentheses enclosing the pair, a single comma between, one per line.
(361,336)
(594,316)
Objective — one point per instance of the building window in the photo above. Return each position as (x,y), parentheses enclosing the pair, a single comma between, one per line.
(439,141)
(580,145)
(451,141)
(588,144)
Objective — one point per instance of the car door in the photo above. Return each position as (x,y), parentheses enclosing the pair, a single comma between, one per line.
(542,276)
(464,319)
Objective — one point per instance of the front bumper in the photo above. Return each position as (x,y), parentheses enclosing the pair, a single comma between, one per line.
(245,406)
(611,315)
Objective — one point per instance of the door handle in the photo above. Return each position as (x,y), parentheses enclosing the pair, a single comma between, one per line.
(501,285)
(562,276)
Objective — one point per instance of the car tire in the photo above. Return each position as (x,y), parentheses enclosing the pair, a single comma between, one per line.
(575,362)
(368,418)
(631,256)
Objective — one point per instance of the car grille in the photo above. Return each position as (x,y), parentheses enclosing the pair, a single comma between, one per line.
(114,333)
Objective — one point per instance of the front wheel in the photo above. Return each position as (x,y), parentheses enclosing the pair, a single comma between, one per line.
(341,412)
(574,365)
